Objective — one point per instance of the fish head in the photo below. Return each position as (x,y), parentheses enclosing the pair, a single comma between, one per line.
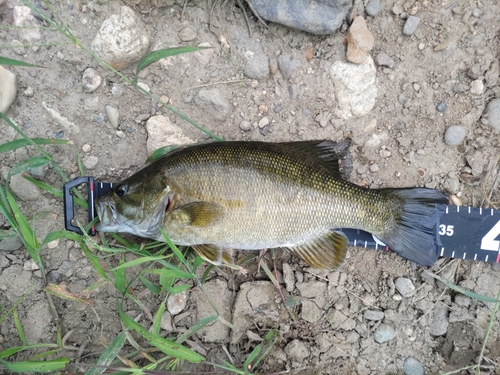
(137,205)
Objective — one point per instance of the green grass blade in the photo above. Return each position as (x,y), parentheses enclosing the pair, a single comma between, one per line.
(95,260)
(149,285)
(18,143)
(11,351)
(34,162)
(138,261)
(162,151)
(260,351)
(200,325)
(12,62)
(175,250)
(120,279)
(52,236)
(19,327)
(157,319)
(56,192)
(177,289)
(27,234)
(49,366)
(109,354)
(171,273)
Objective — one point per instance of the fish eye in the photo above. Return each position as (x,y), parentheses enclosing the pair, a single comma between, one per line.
(121,190)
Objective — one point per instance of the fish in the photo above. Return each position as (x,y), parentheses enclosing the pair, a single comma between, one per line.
(250,195)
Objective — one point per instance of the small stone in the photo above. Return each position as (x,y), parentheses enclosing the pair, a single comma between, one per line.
(404,286)
(263,108)
(11,243)
(372,8)
(245,125)
(214,102)
(384,59)
(476,12)
(289,277)
(454,135)
(186,34)
(8,89)
(264,121)
(287,64)
(374,167)
(439,323)
(293,91)
(411,25)
(26,25)
(31,265)
(383,333)
(28,92)
(360,41)
(257,65)
(492,113)
(113,115)
(91,80)
(411,366)
(144,86)
(441,107)
(477,87)
(374,315)
(385,154)
(24,189)
(416,87)
(90,162)
(120,134)
(166,321)
(458,88)
(297,351)
(176,303)
(162,132)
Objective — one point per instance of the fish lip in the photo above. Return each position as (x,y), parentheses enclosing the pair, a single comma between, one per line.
(107,215)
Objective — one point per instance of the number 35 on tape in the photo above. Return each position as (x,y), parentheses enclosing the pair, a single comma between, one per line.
(470,233)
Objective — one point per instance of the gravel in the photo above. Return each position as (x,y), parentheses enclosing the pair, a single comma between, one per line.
(373,7)
(383,333)
(404,286)
(411,366)
(454,135)
(411,25)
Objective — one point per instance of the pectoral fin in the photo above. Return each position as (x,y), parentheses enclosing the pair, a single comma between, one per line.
(198,214)
(213,254)
(327,252)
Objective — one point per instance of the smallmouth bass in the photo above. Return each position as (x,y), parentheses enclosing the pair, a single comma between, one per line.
(256,195)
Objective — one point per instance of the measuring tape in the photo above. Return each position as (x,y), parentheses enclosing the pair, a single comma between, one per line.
(462,233)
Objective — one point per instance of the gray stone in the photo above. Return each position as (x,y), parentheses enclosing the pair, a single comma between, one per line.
(297,351)
(454,135)
(404,286)
(204,55)
(166,322)
(492,75)
(8,89)
(441,106)
(289,277)
(458,88)
(27,27)
(245,125)
(338,319)
(384,59)
(18,281)
(440,322)
(315,293)
(373,315)
(354,87)
(214,102)
(11,243)
(24,189)
(187,34)
(176,303)
(162,132)
(287,64)
(257,65)
(383,333)
(122,39)
(492,113)
(113,115)
(372,8)
(91,80)
(314,16)
(411,25)
(90,162)
(411,366)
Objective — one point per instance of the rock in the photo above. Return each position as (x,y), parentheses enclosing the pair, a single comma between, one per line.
(63,121)
(11,243)
(287,64)
(372,8)
(492,113)
(204,55)
(264,121)
(373,315)
(122,39)
(186,34)
(90,162)
(312,307)
(91,80)
(289,277)
(319,17)
(18,281)
(458,88)
(257,65)
(214,102)
(411,25)
(255,304)
(384,59)
(404,286)
(477,87)
(30,265)
(338,319)
(454,135)
(24,189)
(297,351)
(162,132)
(439,323)
(383,333)
(27,27)
(223,298)
(8,89)
(245,125)
(441,106)
(359,41)
(113,115)
(492,75)
(354,87)
(166,322)
(177,302)
(411,366)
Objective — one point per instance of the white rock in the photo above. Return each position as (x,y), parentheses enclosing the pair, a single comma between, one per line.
(31,265)
(8,88)
(63,121)
(91,80)
(166,321)
(26,24)
(177,302)
(264,121)
(161,132)
(113,116)
(122,39)
(90,162)
(289,277)
(477,87)
(354,87)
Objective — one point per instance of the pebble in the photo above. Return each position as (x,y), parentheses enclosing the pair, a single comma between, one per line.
(360,41)
(24,189)
(263,108)
(383,333)
(293,91)
(11,243)
(122,39)
(166,322)
(8,89)
(439,323)
(90,162)
(476,12)
(91,80)
(113,115)
(374,315)
(162,132)
(454,135)
(214,102)
(404,286)
(289,277)
(187,34)
(264,121)
(374,167)
(144,86)
(287,64)
(441,106)
(29,92)
(176,303)
(492,113)
(120,134)
(31,265)
(477,87)
(313,16)
(245,125)
(458,88)
(372,8)
(257,65)
(411,366)
(26,25)
(411,25)
(297,351)
(384,59)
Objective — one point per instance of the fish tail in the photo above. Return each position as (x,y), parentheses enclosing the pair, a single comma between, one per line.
(413,232)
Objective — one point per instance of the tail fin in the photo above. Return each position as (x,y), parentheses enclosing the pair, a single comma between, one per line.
(413,236)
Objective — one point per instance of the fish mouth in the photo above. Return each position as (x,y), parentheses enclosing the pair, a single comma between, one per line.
(108,217)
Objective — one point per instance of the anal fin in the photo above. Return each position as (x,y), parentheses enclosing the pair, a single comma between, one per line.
(327,252)
(213,254)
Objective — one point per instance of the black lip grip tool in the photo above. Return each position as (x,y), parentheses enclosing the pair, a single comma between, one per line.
(95,189)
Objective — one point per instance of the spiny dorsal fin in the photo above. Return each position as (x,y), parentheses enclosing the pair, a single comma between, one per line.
(327,252)
(327,153)
(213,254)
(199,214)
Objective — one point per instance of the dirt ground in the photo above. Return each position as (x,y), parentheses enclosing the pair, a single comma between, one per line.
(399,143)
